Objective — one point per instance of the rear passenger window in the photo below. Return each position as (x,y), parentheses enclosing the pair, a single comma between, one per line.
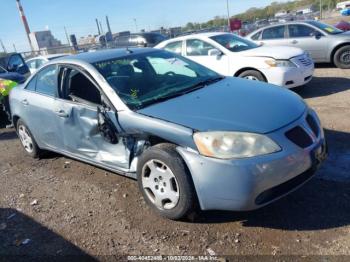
(196,47)
(175,47)
(47,81)
(274,33)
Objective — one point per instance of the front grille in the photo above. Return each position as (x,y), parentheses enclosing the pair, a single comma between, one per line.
(305,61)
(299,137)
(284,188)
(313,125)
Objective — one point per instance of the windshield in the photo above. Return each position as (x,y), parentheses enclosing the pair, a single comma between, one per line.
(329,29)
(2,70)
(144,79)
(234,43)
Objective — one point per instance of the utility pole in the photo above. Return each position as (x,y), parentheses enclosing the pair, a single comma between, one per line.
(228,15)
(65,31)
(136,25)
(14,47)
(320,9)
(25,23)
(3,47)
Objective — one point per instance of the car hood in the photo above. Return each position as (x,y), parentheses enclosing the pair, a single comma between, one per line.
(232,104)
(277,52)
(13,76)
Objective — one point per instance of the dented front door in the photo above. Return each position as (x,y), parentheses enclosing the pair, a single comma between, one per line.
(81,137)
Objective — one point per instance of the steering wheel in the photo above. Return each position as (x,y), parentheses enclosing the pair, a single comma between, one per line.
(170,73)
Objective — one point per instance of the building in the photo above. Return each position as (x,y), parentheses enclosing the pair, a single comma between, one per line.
(87,40)
(43,40)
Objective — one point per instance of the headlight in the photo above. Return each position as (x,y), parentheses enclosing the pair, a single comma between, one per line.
(279,63)
(226,145)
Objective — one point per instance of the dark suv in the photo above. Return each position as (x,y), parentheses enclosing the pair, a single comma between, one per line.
(139,40)
(13,67)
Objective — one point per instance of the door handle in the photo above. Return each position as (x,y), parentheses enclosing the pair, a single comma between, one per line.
(25,102)
(294,42)
(61,113)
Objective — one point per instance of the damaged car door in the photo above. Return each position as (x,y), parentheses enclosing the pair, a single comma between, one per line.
(88,123)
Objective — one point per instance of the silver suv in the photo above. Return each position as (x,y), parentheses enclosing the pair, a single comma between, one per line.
(325,43)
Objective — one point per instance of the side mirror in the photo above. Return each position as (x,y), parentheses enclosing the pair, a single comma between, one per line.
(214,52)
(317,35)
(106,127)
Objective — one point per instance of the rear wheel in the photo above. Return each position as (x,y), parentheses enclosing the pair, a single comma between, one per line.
(165,182)
(252,75)
(342,57)
(27,140)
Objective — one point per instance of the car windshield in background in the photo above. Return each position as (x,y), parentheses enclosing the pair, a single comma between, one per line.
(2,70)
(234,43)
(144,79)
(329,29)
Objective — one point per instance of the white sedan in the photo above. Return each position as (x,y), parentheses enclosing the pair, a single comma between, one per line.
(231,55)
(36,62)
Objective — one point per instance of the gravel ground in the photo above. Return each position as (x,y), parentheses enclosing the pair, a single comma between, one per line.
(58,206)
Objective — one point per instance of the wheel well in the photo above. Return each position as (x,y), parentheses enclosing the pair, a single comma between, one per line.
(240,71)
(15,120)
(335,49)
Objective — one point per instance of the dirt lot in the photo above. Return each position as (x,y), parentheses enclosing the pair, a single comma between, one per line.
(66,207)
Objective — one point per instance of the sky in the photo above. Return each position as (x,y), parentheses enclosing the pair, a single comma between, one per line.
(78,16)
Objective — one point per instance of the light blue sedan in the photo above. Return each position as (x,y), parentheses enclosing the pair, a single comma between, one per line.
(188,135)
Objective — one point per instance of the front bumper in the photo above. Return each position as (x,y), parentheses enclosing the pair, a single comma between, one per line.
(289,77)
(247,184)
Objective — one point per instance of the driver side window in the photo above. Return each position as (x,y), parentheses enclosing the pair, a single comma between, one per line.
(78,88)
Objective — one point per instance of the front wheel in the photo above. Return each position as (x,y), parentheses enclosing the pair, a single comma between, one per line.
(342,57)
(252,75)
(165,182)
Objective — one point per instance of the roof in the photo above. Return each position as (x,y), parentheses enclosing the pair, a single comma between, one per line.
(199,35)
(100,55)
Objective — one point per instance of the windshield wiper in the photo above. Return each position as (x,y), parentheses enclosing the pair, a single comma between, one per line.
(192,88)
(202,83)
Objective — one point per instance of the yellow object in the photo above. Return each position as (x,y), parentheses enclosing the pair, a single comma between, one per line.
(6,86)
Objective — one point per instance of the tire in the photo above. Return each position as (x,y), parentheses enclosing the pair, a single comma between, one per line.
(166,162)
(27,140)
(252,75)
(342,57)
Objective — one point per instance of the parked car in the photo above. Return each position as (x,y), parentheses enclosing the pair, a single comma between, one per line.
(325,43)
(37,62)
(14,63)
(183,131)
(4,74)
(139,40)
(231,55)
(345,12)
(343,25)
